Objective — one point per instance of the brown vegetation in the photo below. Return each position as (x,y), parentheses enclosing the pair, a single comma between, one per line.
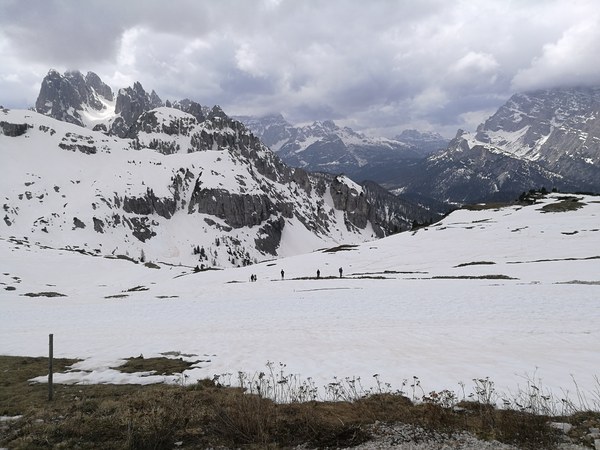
(207,414)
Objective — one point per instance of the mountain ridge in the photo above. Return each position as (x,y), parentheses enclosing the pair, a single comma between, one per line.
(324,146)
(178,182)
(547,138)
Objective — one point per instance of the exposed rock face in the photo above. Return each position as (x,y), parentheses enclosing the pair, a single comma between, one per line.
(92,80)
(388,215)
(150,204)
(132,102)
(465,174)
(557,128)
(65,97)
(13,129)
(78,223)
(188,106)
(548,138)
(98,225)
(236,210)
(270,236)
(351,200)
(269,208)
(300,177)
(141,227)
(370,203)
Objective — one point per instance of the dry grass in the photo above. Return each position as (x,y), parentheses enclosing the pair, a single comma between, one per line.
(207,414)
(563,205)
(486,206)
(159,366)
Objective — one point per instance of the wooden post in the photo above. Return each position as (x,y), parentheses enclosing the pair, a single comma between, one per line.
(50,357)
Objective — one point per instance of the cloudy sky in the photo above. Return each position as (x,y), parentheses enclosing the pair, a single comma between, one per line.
(377,66)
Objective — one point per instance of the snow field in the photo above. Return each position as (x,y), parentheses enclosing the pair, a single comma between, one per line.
(539,325)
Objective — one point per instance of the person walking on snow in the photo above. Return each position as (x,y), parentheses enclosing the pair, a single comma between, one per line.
(318,274)
(282,274)
(341,272)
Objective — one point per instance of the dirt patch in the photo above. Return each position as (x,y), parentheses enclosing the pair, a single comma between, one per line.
(476,263)
(159,366)
(44,294)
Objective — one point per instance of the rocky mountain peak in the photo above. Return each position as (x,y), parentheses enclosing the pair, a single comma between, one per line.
(190,107)
(131,103)
(556,128)
(328,125)
(547,138)
(425,142)
(273,129)
(217,113)
(155,100)
(223,191)
(99,86)
(65,97)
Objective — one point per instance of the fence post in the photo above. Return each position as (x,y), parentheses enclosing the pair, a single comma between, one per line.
(50,357)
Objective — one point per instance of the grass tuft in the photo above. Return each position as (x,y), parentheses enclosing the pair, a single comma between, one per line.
(209,414)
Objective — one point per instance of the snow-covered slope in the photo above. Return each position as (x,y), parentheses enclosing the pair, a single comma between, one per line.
(510,294)
(186,192)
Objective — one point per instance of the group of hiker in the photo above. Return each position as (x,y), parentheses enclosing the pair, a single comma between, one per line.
(340,270)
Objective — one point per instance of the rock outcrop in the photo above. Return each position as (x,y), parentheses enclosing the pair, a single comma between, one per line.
(13,129)
(66,97)
(131,103)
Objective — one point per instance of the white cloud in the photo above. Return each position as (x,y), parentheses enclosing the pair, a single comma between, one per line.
(571,60)
(475,62)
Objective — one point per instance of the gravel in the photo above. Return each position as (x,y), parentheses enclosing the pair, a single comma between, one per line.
(409,437)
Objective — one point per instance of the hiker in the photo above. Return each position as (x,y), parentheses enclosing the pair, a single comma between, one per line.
(318,274)
(341,272)
(282,274)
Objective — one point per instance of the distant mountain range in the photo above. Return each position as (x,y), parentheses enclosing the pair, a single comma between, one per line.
(547,138)
(326,147)
(132,176)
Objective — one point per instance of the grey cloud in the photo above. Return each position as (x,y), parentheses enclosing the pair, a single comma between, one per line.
(376,65)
